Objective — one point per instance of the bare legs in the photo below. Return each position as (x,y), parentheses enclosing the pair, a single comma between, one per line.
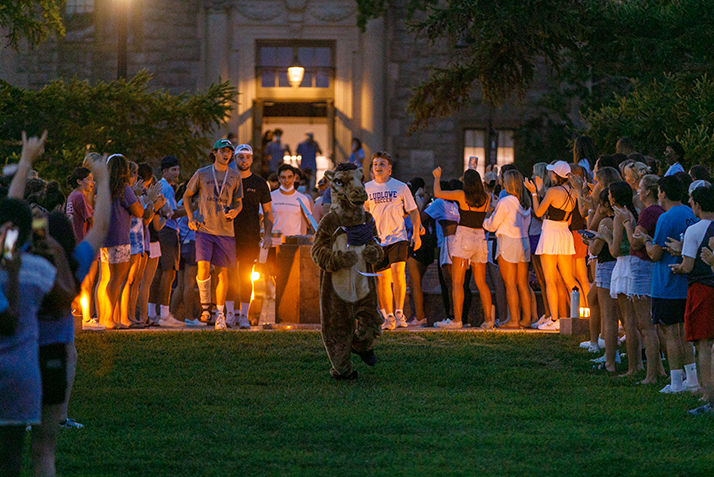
(634,355)
(704,366)
(553,266)
(109,291)
(130,292)
(416,272)
(145,288)
(643,316)
(518,295)
(458,272)
(610,317)
(392,287)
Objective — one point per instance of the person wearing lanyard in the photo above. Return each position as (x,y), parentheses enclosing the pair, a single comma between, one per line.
(220,194)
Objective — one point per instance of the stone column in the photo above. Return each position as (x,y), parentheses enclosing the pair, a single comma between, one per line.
(373,86)
(218,36)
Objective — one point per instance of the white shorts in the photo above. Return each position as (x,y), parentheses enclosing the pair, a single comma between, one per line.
(514,250)
(555,239)
(470,244)
(154,249)
(621,281)
(116,254)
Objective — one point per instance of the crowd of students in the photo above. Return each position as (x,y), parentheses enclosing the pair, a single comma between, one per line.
(637,246)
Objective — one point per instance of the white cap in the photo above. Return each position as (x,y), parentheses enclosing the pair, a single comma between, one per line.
(697,184)
(561,168)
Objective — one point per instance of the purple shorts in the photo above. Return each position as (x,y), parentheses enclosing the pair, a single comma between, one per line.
(219,250)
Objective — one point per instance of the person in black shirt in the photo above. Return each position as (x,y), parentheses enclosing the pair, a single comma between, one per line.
(256,193)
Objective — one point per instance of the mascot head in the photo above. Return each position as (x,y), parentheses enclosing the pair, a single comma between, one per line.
(347,188)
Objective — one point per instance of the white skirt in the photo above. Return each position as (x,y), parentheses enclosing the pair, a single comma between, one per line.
(555,239)
(621,281)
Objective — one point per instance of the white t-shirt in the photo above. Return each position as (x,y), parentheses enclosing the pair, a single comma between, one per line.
(388,203)
(693,238)
(287,215)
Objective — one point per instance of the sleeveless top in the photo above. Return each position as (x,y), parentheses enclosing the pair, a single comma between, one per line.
(560,215)
(605,256)
(471,219)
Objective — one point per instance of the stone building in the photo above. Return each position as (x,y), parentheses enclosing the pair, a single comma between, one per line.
(355,84)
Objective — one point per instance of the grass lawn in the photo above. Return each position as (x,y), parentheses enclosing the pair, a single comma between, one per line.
(436,403)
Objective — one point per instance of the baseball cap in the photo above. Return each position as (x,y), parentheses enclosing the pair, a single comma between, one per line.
(244,148)
(221,143)
(561,168)
(489,177)
(168,162)
(697,184)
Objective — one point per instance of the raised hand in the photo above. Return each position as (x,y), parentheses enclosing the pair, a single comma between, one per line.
(138,187)
(32,147)
(532,188)
(153,192)
(623,213)
(437,173)
(98,165)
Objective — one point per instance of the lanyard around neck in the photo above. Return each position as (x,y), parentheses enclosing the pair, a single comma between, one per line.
(215,181)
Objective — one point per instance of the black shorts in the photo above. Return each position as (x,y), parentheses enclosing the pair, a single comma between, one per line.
(668,311)
(247,252)
(188,255)
(53,369)
(393,253)
(170,249)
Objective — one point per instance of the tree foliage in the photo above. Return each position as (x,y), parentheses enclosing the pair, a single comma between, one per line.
(34,20)
(655,113)
(592,47)
(117,117)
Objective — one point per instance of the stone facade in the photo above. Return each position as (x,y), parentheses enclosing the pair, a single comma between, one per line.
(188,44)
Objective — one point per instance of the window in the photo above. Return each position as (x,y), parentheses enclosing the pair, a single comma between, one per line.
(495,148)
(78,7)
(274,58)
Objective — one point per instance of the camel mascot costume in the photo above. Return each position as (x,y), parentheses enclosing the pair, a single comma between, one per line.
(345,242)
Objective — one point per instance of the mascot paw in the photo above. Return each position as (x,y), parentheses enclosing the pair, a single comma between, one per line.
(372,254)
(369,358)
(347,259)
(346,377)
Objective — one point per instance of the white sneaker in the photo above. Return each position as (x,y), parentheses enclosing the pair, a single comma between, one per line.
(230,320)
(593,348)
(601,343)
(552,325)
(585,344)
(668,389)
(194,323)
(543,319)
(171,322)
(414,323)
(448,324)
(221,322)
(243,322)
(93,325)
(691,388)
(389,323)
(401,322)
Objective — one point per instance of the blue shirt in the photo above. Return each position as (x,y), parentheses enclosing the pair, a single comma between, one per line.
(168,192)
(673,169)
(672,223)
(308,151)
(275,151)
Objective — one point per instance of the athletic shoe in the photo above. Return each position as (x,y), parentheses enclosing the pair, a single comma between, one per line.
(668,389)
(401,322)
(485,326)
(389,323)
(205,316)
(170,322)
(221,322)
(243,322)
(196,323)
(70,424)
(93,325)
(601,343)
(230,320)
(585,344)
(701,410)
(448,324)
(414,323)
(541,320)
(346,377)
(593,348)
(692,389)
(552,325)
(601,359)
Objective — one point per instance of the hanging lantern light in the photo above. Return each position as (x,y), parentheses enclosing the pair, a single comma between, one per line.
(295,71)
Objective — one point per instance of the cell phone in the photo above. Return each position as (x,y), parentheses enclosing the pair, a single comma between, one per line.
(10,240)
(587,234)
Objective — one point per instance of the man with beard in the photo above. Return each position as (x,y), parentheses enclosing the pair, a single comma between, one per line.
(256,194)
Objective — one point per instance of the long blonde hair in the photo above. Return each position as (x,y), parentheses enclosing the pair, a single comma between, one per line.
(514,184)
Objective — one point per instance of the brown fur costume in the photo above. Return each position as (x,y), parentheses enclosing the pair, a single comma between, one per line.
(349,311)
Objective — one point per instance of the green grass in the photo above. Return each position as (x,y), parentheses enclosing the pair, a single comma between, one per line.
(219,404)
